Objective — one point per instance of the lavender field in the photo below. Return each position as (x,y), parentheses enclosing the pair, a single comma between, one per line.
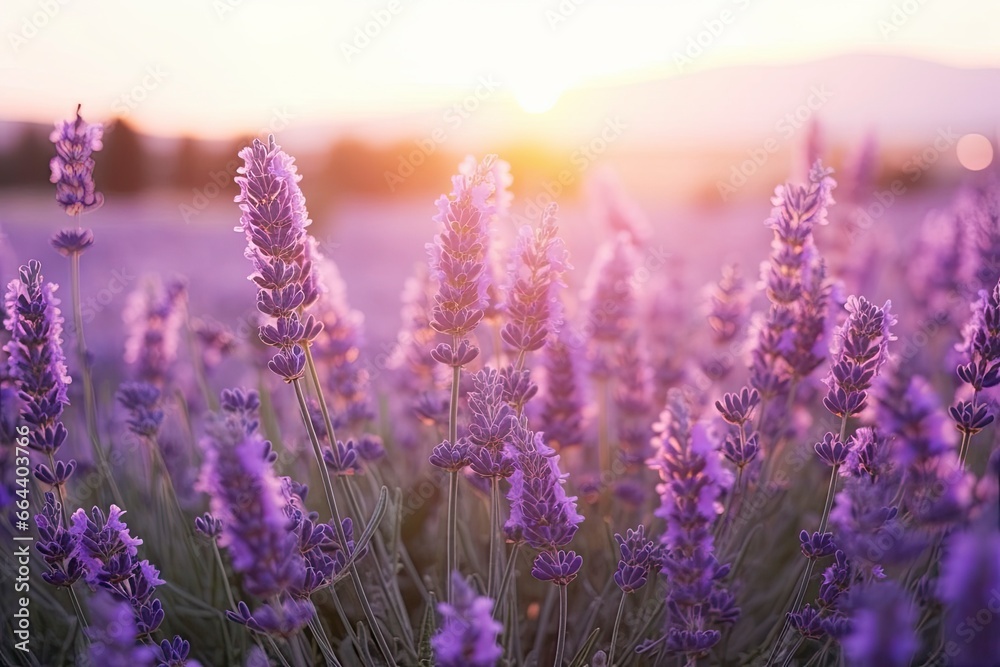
(606,404)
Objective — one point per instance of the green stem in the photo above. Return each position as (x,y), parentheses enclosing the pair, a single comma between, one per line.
(451,555)
(331,500)
(614,633)
(494,510)
(78,610)
(89,402)
(561,637)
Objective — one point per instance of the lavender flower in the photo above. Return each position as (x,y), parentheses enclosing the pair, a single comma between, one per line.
(687,461)
(533,307)
(37,365)
(860,352)
(217,342)
(790,340)
(274,220)
(458,254)
(540,511)
(729,302)
(468,634)
(154,316)
(639,557)
(73,168)
(58,546)
(109,556)
(633,401)
(981,346)
(491,425)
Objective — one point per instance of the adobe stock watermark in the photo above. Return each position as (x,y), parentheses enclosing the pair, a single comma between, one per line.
(913,169)
(562,12)
(223,8)
(451,119)
(378,20)
(202,196)
(580,160)
(899,16)
(130,100)
(32,24)
(784,129)
(711,30)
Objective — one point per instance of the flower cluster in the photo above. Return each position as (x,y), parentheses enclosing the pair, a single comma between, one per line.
(729,302)
(110,561)
(338,350)
(274,220)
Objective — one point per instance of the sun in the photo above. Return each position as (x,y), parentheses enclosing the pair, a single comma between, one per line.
(536,98)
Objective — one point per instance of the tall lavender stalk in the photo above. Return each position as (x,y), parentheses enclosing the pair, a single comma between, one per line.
(73,174)
(458,258)
(543,517)
(689,466)
(37,366)
(274,220)
(789,344)
(860,351)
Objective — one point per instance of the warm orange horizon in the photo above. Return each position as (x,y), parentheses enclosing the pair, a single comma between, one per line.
(217,69)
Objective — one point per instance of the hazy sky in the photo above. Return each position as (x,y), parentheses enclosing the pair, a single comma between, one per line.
(213,67)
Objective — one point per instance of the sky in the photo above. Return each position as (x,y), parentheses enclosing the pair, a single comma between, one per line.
(215,67)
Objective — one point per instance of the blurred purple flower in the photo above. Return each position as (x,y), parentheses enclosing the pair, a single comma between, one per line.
(142,401)
(533,308)
(611,300)
(114,636)
(969,589)
(883,623)
(246,497)
(154,316)
(561,415)
(467,636)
